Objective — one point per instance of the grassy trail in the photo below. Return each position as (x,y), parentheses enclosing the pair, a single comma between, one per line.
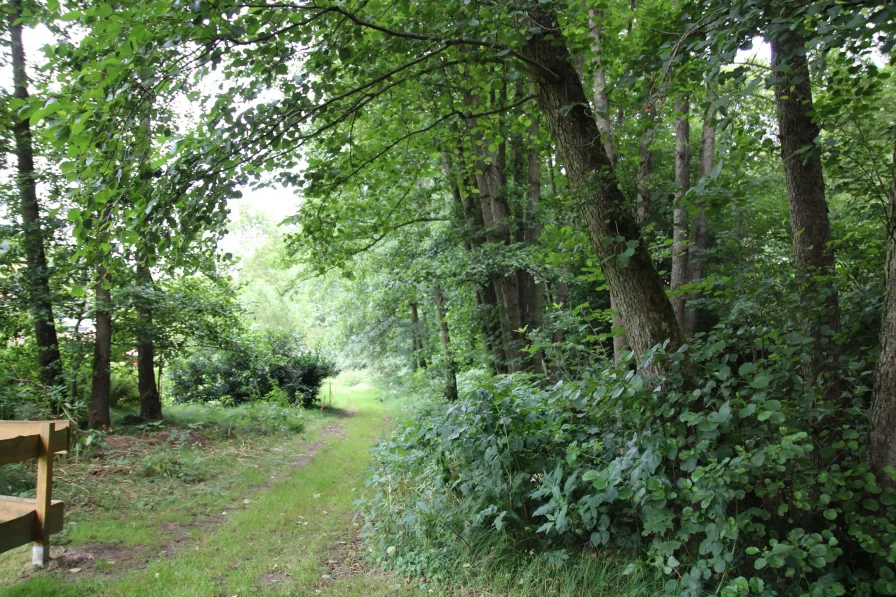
(293,537)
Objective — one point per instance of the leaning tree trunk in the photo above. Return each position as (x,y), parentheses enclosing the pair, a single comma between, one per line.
(150,402)
(700,230)
(883,409)
(811,229)
(631,276)
(102,354)
(450,365)
(679,211)
(602,115)
(37,275)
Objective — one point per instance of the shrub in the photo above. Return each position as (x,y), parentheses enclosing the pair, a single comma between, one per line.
(728,476)
(123,389)
(261,367)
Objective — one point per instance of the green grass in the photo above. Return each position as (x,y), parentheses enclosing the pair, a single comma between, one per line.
(296,529)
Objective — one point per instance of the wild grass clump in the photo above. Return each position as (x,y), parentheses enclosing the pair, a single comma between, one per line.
(248,419)
(186,465)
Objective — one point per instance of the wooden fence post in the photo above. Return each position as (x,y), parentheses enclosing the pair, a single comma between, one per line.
(40,553)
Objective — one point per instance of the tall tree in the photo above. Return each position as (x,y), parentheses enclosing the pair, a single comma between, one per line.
(602,114)
(416,340)
(150,402)
(631,276)
(463,184)
(450,365)
(883,409)
(101,383)
(699,234)
(37,275)
(679,211)
(809,223)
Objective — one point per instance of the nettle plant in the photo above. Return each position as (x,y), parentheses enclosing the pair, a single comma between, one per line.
(728,474)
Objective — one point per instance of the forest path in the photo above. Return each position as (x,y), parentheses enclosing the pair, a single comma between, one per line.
(295,535)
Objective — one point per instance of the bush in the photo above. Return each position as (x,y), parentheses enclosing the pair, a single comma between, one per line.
(123,389)
(728,475)
(260,367)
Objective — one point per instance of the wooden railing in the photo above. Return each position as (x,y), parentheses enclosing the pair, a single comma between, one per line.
(21,520)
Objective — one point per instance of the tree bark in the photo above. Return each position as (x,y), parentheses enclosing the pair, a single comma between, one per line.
(612,227)
(531,290)
(642,175)
(882,449)
(100,417)
(450,366)
(150,402)
(37,276)
(679,211)
(486,295)
(602,110)
(601,100)
(419,359)
(699,240)
(496,212)
(811,229)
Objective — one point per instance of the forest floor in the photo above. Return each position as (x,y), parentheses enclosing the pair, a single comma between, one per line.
(231,516)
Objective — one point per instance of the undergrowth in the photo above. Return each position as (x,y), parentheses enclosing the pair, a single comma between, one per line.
(247,419)
(714,475)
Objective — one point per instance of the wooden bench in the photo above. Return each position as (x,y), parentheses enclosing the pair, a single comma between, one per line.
(23,521)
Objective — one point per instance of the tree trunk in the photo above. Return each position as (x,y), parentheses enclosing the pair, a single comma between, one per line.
(700,231)
(496,212)
(531,290)
(811,229)
(486,295)
(450,366)
(602,109)
(883,409)
(679,211)
(37,277)
(642,175)
(150,403)
(419,358)
(633,281)
(601,101)
(102,354)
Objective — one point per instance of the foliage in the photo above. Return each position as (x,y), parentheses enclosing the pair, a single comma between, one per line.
(736,478)
(251,370)
(124,391)
(18,479)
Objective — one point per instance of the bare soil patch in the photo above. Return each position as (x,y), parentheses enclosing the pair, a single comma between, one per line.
(99,558)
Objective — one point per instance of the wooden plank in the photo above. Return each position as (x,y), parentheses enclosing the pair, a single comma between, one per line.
(41,553)
(19,449)
(15,429)
(18,518)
